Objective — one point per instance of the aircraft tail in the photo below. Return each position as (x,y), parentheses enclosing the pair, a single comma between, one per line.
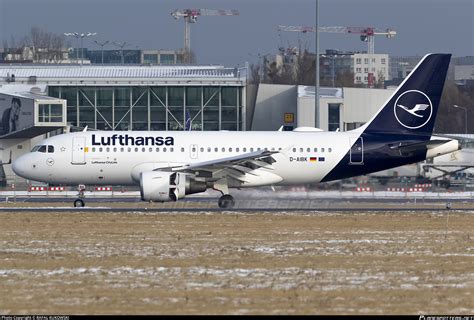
(412,109)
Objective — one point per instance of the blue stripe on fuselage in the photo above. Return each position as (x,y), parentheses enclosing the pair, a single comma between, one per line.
(380,152)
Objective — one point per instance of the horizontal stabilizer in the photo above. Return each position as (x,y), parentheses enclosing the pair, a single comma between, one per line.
(419,145)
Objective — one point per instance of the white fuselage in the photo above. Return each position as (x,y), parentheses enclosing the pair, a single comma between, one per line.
(304,157)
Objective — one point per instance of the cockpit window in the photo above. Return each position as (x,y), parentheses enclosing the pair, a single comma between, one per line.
(35,148)
(50,149)
(42,149)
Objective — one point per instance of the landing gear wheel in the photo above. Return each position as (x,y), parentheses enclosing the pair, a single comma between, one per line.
(226,202)
(79,203)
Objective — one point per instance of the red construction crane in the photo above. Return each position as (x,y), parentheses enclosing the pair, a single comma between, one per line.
(190,16)
(367,34)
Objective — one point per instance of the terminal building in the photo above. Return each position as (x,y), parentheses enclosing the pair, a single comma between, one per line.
(62,98)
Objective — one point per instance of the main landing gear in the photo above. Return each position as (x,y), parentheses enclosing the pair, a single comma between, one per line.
(226,201)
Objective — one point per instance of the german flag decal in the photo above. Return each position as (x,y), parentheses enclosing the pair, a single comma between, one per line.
(313,159)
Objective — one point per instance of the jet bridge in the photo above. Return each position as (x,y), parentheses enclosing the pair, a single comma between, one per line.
(27,115)
(24,118)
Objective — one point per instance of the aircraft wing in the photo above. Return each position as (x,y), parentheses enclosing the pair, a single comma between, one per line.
(235,166)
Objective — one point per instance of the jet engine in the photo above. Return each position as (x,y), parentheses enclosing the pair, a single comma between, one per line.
(168,186)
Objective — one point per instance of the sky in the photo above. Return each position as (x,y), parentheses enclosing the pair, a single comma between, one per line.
(422,26)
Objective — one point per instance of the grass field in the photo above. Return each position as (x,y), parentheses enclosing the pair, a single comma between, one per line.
(237,263)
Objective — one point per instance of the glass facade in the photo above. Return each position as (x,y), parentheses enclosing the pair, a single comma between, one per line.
(166,58)
(150,58)
(200,108)
(50,112)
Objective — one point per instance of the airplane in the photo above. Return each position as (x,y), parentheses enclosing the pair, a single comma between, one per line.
(169,165)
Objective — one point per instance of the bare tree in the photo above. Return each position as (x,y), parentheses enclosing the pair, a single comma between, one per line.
(189,57)
(255,70)
(305,72)
(380,81)
(47,46)
(345,79)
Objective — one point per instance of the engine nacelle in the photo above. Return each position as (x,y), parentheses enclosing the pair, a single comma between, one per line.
(168,186)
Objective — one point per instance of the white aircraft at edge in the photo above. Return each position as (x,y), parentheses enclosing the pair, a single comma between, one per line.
(169,165)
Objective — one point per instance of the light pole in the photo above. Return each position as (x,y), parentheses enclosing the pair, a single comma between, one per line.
(121,45)
(81,36)
(465,116)
(101,48)
(316,89)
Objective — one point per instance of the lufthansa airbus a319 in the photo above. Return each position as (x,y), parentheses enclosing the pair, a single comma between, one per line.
(167,166)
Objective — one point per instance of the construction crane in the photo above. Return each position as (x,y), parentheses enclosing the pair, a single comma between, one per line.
(367,34)
(190,16)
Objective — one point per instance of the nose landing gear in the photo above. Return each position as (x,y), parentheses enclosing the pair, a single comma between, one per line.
(79,202)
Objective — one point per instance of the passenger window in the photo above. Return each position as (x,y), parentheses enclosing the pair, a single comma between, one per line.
(202,149)
(329,150)
(230,149)
(150,149)
(237,149)
(251,149)
(171,149)
(100,149)
(115,149)
(223,149)
(322,149)
(315,149)
(143,149)
(208,149)
(164,149)
(245,149)
(42,149)
(182,149)
(216,149)
(308,150)
(107,149)
(122,149)
(93,149)
(129,149)
(301,149)
(294,149)
(136,149)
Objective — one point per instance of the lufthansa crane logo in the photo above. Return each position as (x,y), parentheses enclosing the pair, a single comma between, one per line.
(413,109)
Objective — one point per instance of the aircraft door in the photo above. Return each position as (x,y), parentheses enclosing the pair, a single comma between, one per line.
(357,151)
(78,150)
(193,151)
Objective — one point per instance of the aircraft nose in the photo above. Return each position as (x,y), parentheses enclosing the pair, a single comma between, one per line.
(20,166)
